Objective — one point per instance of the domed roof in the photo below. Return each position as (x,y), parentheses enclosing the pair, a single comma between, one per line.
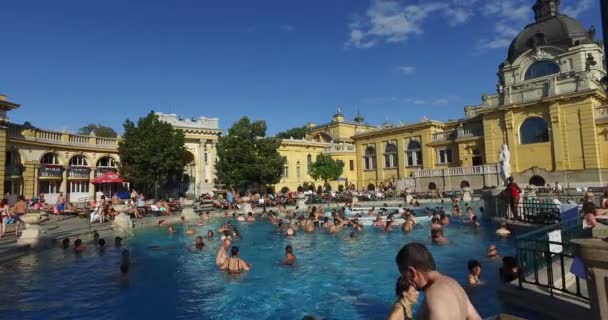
(550,29)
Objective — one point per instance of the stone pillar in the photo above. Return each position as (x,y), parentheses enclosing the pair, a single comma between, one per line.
(212,161)
(30,179)
(91,185)
(64,182)
(3,134)
(201,166)
(594,254)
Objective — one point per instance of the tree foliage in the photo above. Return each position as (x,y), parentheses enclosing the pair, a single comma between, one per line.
(326,168)
(152,153)
(247,158)
(296,133)
(99,130)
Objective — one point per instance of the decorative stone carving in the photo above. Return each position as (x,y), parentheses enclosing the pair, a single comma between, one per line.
(31,235)
(504,159)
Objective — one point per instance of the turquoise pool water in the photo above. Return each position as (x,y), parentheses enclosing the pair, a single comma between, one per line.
(334,278)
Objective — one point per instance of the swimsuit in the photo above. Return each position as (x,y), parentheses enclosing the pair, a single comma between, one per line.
(238,265)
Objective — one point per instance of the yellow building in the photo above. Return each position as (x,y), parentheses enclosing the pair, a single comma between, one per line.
(334,138)
(48,162)
(549,109)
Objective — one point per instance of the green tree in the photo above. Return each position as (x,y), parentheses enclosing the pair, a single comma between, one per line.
(99,130)
(247,158)
(296,133)
(326,168)
(152,154)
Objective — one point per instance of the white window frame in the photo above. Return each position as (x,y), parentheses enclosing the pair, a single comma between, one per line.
(442,156)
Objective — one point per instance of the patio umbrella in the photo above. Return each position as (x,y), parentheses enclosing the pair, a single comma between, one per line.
(109,177)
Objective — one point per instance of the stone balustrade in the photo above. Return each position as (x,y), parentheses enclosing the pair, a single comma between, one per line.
(20,132)
(458,171)
(601,113)
(458,133)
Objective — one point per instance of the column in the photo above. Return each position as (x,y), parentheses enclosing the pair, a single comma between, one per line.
(201,165)
(512,140)
(30,179)
(560,158)
(3,129)
(91,185)
(64,182)
(212,161)
(594,254)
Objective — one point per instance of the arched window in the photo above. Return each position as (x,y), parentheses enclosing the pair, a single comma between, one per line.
(414,153)
(432,186)
(537,181)
(49,158)
(369,160)
(78,161)
(541,68)
(390,155)
(106,162)
(534,130)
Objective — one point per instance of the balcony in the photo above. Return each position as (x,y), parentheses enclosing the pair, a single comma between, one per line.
(335,148)
(26,133)
(458,133)
(50,171)
(458,171)
(601,113)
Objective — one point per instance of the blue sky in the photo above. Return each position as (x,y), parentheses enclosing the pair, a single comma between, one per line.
(69,63)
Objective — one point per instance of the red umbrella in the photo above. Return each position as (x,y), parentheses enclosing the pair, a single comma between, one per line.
(109,177)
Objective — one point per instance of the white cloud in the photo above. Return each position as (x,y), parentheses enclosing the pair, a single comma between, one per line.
(578,7)
(441,101)
(407,69)
(287,28)
(419,101)
(458,16)
(503,36)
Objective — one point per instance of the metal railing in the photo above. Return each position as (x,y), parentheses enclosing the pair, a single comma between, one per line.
(530,210)
(544,258)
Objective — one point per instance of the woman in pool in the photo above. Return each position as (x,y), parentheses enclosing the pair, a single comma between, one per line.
(199,244)
(493,252)
(290,258)
(235,264)
(438,237)
(474,272)
(503,231)
(379,222)
(170,230)
(407,297)
(435,224)
(210,235)
(389,226)
(250,217)
(226,235)
(191,231)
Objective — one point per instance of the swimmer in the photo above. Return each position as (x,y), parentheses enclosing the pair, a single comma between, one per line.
(78,246)
(435,224)
(191,230)
(240,218)
(250,217)
(503,231)
(389,226)
(493,252)
(290,258)
(474,222)
(171,230)
(65,243)
(474,273)
(226,235)
(309,225)
(439,238)
(379,222)
(199,244)
(336,227)
(443,219)
(235,264)
(289,232)
(222,253)
(407,297)
(210,235)
(407,226)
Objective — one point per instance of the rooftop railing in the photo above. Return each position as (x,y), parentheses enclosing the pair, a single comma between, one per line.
(20,132)
(458,133)
(458,171)
(601,113)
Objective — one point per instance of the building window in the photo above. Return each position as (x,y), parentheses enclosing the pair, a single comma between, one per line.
(541,68)
(78,186)
(352,165)
(107,162)
(285,169)
(477,157)
(49,158)
(369,160)
(444,156)
(390,155)
(534,130)
(78,161)
(298,170)
(414,154)
(309,163)
(49,187)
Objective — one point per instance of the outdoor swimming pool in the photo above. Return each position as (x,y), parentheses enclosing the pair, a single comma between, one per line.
(334,278)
